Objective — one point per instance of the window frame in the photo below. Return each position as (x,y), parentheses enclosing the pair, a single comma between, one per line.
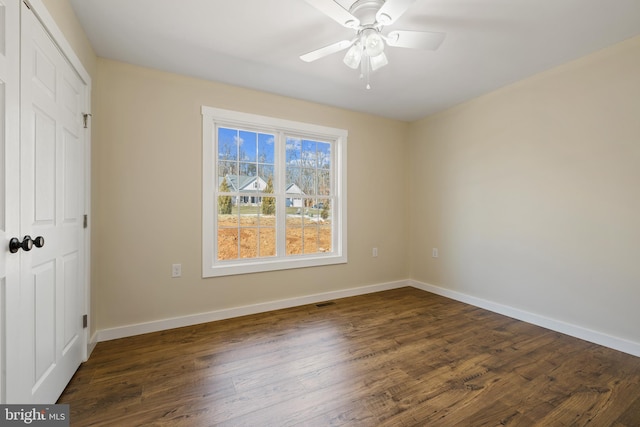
(212,118)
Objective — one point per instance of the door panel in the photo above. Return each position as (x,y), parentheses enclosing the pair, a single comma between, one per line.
(51,205)
(43,169)
(43,286)
(70,267)
(72,147)
(44,71)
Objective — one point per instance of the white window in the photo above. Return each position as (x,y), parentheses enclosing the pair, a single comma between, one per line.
(274,194)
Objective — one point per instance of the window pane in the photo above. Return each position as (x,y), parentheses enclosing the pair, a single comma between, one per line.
(294,231)
(227,144)
(294,183)
(294,240)
(268,220)
(310,238)
(248,146)
(317,230)
(292,204)
(308,181)
(266,148)
(294,217)
(324,226)
(227,168)
(267,242)
(268,212)
(316,208)
(266,173)
(308,154)
(324,155)
(223,184)
(248,242)
(324,182)
(293,190)
(293,151)
(248,211)
(227,215)
(325,238)
(324,206)
(245,171)
(227,243)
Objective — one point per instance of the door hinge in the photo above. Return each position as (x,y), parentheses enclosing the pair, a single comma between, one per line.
(85,119)
(85,221)
(85,321)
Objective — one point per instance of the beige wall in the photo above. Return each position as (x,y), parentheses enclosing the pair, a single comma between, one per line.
(532,194)
(147,198)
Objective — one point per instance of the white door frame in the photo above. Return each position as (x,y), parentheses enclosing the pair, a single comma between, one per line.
(40,11)
(10,263)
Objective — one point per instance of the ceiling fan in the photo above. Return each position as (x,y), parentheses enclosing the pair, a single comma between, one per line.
(368,18)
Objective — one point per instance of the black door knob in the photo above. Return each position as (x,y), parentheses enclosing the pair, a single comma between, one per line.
(26,245)
(38,242)
(15,244)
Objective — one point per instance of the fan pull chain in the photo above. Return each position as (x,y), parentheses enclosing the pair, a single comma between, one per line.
(365,71)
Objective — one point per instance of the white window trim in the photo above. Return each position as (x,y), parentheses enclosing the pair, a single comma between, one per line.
(211,267)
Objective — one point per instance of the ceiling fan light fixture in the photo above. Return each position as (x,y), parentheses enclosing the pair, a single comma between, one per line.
(373,43)
(354,56)
(378,61)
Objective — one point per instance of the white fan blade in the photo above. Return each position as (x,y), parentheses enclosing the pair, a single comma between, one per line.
(415,39)
(391,10)
(378,61)
(336,12)
(327,50)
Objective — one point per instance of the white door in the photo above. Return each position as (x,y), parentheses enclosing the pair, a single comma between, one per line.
(9,186)
(52,342)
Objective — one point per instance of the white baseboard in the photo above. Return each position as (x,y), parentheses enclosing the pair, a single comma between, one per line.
(93,342)
(194,319)
(590,335)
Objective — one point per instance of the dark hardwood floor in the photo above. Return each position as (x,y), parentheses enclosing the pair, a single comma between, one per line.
(396,358)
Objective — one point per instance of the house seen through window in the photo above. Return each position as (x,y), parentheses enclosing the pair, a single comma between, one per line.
(277,195)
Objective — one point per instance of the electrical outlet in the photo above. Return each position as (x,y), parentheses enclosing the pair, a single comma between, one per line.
(374,252)
(176,270)
(434,253)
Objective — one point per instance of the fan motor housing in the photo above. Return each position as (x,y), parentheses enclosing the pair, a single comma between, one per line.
(365,11)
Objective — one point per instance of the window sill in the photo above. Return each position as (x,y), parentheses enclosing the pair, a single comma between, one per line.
(256,266)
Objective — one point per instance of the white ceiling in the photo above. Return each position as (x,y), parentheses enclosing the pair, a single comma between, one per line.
(257,44)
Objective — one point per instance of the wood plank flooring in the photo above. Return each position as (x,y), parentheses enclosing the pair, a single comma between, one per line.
(403,357)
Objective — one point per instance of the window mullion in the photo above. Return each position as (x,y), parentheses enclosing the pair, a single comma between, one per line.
(281,210)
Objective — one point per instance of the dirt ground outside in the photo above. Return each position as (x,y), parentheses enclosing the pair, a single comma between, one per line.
(251,236)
